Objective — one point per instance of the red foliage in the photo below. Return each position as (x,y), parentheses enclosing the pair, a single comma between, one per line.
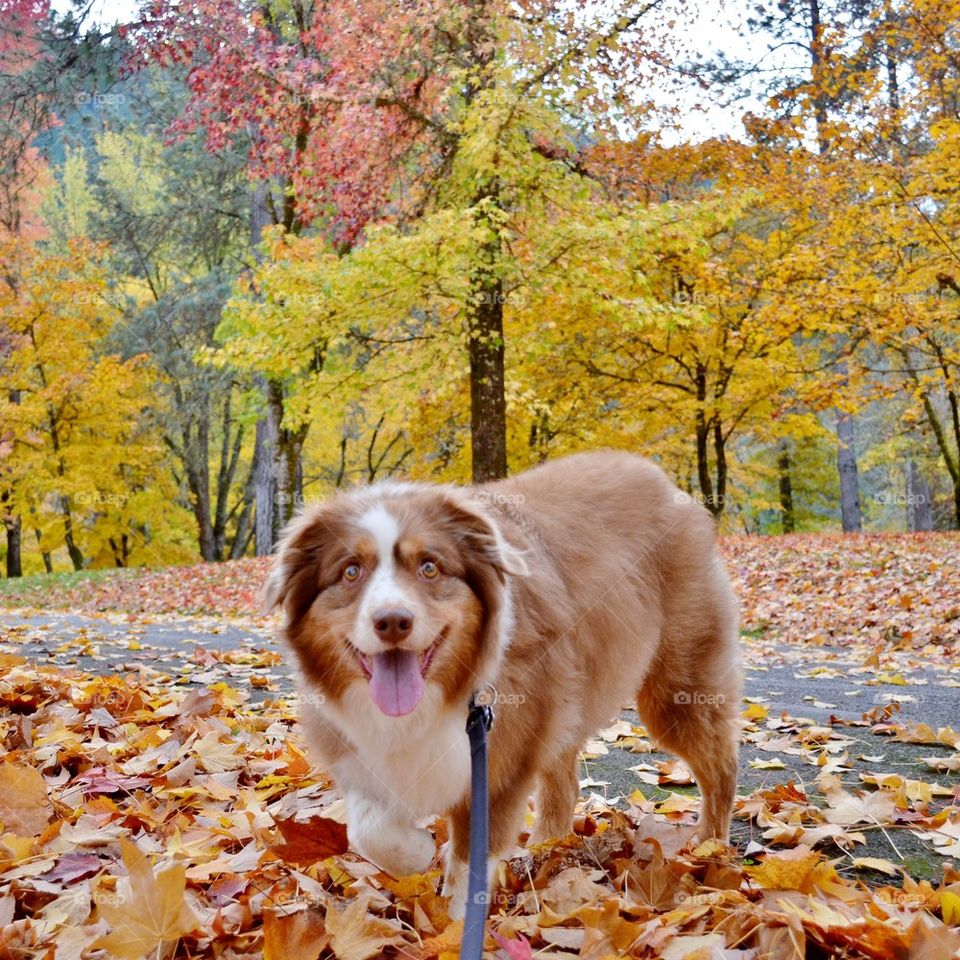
(331,105)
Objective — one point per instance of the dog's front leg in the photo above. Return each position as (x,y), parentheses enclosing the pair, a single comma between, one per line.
(456,877)
(387,838)
(507,807)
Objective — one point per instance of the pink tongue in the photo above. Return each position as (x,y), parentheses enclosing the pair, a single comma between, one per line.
(396,685)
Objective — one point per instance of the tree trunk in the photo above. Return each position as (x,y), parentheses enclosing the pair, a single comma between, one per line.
(275,457)
(278,477)
(196,451)
(47,560)
(287,472)
(787,517)
(13,527)
(720,456)
(244,529)
(229,459)
(76,557)
(846,428)
(847,468)
(949,452)
(488,405)
(264,482)
(919,504)
(12,523)
(712,497)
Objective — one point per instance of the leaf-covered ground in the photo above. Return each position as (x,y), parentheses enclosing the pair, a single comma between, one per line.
(155,799)
(823,588)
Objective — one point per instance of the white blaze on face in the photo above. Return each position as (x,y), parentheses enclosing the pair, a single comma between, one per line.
(382,590)
(396,676)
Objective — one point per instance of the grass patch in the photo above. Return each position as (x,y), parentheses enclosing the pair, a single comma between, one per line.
(36,586)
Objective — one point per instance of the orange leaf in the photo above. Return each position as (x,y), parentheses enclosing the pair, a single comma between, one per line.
(295,936)
(311,841)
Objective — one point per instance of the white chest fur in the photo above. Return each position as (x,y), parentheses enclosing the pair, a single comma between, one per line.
(416,766)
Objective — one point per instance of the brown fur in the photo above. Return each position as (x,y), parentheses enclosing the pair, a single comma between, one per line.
(624,597)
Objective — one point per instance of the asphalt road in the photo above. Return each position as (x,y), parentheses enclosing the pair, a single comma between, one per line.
(813,683)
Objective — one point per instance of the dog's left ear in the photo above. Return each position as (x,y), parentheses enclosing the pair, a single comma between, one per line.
(474,527)
(293,580)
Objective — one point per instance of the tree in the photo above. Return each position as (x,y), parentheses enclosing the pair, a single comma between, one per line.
(811,90)
(22,113)
(80,460)
(175,219)
(365,112)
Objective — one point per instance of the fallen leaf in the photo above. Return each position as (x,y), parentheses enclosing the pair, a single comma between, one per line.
(24,805)
(147,911)
(295,936)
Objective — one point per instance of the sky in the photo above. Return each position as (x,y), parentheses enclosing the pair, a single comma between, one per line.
(712,27)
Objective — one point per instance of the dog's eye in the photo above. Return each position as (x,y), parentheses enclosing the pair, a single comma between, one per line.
(429,569)
(352,572)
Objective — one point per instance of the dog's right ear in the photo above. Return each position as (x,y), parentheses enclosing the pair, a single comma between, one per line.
(294,579)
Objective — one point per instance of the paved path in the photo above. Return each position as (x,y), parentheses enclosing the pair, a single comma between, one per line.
(812,683)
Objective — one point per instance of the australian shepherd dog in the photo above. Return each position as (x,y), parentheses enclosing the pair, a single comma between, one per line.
(570,590)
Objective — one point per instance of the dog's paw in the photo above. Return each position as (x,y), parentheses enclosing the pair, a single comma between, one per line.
(409,851)
(455,885)
(394,845)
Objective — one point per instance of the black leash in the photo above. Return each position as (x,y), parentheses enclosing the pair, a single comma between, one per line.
(479,721)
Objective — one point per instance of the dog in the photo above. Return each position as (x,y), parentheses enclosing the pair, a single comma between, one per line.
(570,590)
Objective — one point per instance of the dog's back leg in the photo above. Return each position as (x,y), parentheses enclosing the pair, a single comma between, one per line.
(696,717)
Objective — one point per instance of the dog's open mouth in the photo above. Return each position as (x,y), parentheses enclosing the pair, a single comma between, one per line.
(397,676)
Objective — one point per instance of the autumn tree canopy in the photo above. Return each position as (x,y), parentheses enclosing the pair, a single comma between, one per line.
(325,244)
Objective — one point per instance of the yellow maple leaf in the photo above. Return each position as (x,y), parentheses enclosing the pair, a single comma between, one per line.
(789,870)
(148,909)
(355,934)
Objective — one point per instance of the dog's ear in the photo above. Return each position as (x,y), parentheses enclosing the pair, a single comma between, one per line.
(480,533)
(294,579)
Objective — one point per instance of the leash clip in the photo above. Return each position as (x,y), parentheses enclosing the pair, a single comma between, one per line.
(481,709)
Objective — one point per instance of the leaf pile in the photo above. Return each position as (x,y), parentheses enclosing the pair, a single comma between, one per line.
(816,588)
(225,589)
(142,819)
(840,588)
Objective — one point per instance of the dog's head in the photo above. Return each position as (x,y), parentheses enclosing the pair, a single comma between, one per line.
(395,587)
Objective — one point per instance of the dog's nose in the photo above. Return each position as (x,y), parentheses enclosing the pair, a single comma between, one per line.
(393,625)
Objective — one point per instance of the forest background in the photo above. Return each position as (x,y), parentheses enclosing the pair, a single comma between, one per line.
(252,252)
